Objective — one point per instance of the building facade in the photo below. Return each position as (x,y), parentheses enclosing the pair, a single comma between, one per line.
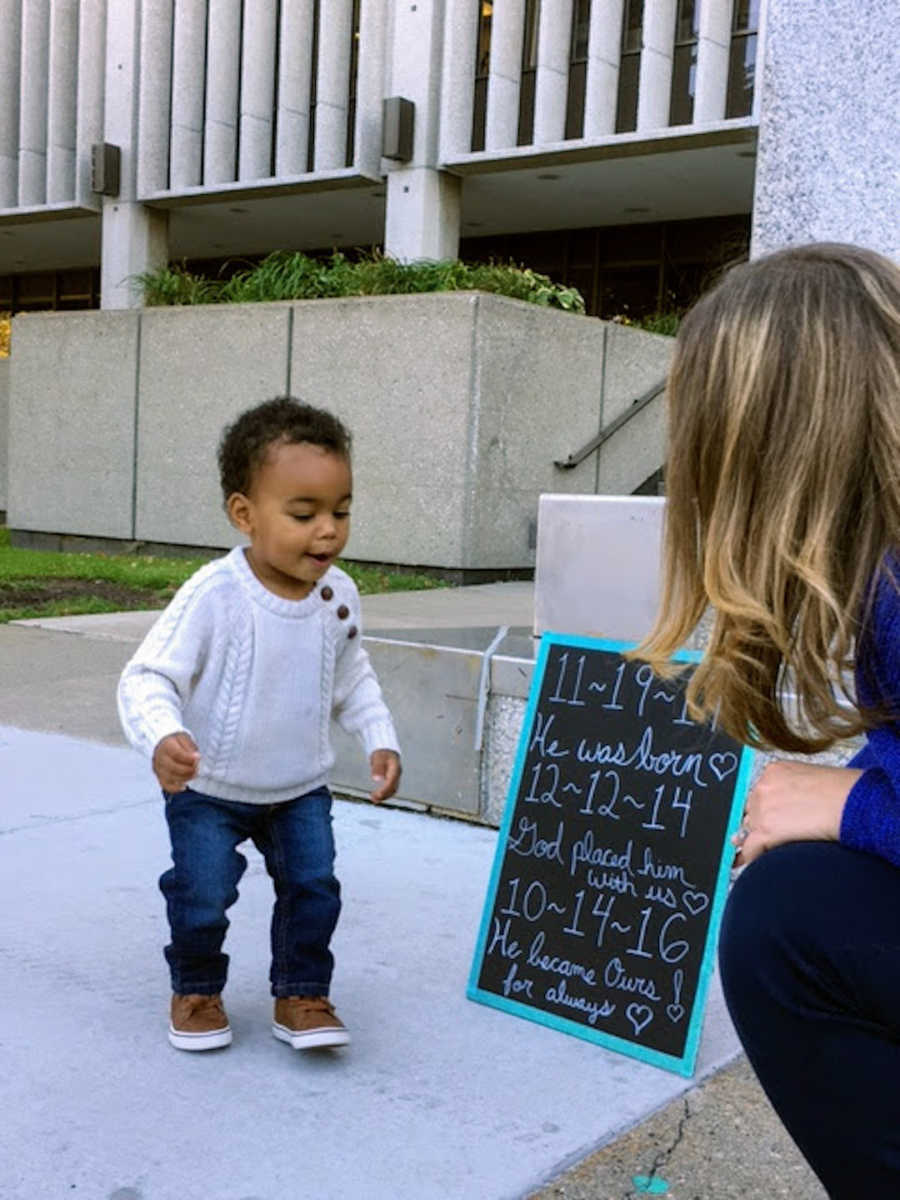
(610,143)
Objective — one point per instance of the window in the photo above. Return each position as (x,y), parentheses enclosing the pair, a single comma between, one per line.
(482,67)
(684,63)
(742,59)
(44,290)
(354,73)
(578,55)
(630,66)
(525,134)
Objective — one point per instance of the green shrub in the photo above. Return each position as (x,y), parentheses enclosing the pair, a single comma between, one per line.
(290,275)
(658,322)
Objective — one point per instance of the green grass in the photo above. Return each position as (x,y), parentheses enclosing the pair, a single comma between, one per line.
(130,581)
(290,275)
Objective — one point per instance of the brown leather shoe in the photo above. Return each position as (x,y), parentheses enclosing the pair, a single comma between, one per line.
(308,1021)
(198,1023)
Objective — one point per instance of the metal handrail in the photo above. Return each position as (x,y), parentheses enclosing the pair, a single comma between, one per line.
(578,456)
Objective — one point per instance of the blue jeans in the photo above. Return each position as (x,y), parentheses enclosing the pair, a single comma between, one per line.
(810,958)
(296,840)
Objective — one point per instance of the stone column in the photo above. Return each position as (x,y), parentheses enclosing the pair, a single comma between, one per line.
(829,158)
(422,217)
(134,237)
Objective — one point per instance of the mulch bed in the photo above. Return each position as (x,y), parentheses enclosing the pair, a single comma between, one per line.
(22,593)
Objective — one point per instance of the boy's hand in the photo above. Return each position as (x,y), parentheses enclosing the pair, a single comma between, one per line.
(175,761)
(386,770)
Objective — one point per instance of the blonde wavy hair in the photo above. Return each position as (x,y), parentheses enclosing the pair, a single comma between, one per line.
(783,490)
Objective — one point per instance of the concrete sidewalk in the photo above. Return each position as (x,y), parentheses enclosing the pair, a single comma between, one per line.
(437,1097)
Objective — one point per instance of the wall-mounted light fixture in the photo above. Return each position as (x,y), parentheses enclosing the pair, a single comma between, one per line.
(105,166)
(398,128)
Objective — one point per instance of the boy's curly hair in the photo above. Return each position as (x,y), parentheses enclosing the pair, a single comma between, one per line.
(246,442)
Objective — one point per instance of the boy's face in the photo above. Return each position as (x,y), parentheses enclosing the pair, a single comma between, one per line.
(297,516)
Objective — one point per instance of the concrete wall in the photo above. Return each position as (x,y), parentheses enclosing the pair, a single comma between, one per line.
(71,423)
(4,429)
(459,404)
(199,368)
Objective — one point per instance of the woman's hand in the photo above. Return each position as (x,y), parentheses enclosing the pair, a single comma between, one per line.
(793,802)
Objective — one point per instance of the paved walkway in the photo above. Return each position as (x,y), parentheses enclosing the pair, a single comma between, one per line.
(436,1099)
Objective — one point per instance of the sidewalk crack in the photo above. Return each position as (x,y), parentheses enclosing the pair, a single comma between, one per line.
(663,1156)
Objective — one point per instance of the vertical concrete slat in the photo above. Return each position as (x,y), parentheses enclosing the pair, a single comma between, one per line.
(33,103)
(552,75)
(294,76)
(10,56)
(504,74)
(655,82)
(458,77)
(257,90)
(188,79)
(604,55)
(89,97)
(154,96)
(63,70)
(370,86)
(333,84)
(223,56)
(713,45)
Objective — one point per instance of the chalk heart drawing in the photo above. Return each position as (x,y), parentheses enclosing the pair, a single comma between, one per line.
(640,1016)
(722,764)
(675,1012)
(695,902)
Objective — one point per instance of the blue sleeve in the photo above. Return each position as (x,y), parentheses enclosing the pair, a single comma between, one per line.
(871,819)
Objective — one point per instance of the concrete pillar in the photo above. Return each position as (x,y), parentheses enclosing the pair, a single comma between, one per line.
(257,89)
(655,85)
(294,74)
(10,58)
(504,74)
(89,97)
(828,170)
(333,84)
(422,217)
(33,103)
(188,70)
(552,74)
(713,46)
(604,52)
(134,237)
(223,57)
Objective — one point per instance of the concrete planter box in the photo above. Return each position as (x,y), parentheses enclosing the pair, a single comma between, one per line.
(459,404)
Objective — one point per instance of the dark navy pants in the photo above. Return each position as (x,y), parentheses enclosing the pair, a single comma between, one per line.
(296,841)
(810,958)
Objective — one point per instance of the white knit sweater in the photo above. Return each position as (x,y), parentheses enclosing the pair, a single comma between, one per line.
(255,680)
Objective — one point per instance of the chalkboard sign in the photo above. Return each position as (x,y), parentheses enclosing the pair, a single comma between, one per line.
(613,858)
